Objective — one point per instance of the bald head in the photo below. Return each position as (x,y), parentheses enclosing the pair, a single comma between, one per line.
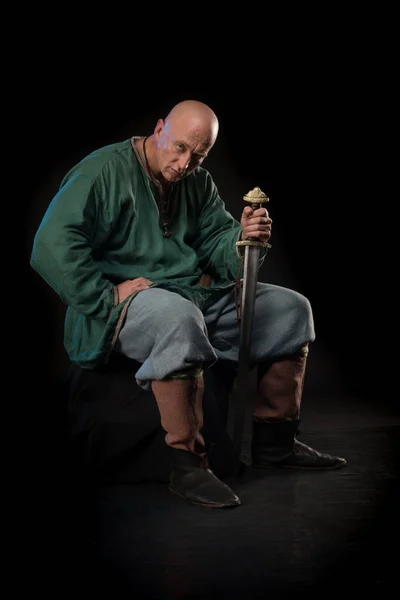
(197,118)
(182,141)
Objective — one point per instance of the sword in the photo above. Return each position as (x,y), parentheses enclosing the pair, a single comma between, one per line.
(238,398)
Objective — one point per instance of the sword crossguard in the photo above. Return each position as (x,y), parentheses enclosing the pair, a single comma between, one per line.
(253,242)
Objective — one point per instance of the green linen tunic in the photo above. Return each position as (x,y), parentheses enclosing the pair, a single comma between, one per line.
(103,227)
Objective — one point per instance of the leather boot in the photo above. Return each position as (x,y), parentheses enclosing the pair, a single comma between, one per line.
(280,387)
(192,480)
(179,400)
(274,444)
(276,418)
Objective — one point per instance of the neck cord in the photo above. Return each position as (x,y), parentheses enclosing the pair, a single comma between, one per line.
(164,204)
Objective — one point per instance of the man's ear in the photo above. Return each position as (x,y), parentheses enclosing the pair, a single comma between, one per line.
(158,130)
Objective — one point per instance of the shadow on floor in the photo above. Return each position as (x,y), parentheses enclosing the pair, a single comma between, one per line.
(296,532)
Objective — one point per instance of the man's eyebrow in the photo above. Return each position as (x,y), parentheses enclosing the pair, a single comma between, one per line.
(201,154)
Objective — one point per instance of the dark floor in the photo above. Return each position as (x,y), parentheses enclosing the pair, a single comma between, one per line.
(301,534)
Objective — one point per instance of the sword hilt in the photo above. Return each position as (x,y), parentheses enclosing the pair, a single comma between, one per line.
(256,198)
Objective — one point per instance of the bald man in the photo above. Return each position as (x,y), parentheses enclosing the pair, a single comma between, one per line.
(126,243)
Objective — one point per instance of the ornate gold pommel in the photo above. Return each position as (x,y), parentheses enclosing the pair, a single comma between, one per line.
(256,196)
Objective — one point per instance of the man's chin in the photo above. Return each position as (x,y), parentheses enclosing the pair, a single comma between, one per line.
(172,176)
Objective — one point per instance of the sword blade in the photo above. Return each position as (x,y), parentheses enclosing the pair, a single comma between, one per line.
(239,396)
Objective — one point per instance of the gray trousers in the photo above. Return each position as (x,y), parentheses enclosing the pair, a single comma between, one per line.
(167,333)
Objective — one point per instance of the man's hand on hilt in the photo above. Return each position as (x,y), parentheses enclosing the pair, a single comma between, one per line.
(256,224)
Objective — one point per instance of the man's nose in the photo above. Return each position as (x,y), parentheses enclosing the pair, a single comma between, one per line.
(184,162)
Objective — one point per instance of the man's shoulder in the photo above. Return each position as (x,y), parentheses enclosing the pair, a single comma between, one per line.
(94,163)
(109,151)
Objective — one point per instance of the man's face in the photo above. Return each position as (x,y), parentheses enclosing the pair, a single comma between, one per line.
(180,148)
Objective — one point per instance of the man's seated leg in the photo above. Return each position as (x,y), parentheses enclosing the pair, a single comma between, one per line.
(167,334)
(282,330)
(276,418)
(180,401)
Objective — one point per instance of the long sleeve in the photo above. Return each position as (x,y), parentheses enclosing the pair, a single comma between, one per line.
(62,249)
(218,234)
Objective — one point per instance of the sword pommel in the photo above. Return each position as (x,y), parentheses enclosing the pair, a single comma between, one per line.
(256,198)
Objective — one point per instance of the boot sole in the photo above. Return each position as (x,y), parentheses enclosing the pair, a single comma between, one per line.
(216,505)
(300,468)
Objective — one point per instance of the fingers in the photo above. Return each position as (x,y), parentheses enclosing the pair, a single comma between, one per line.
(141,281)
(256,232)
(260,220)
(256,223)
(136,287)
(259,212)
(131,286)
(262,227)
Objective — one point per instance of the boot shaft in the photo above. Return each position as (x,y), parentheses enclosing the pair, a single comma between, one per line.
(180,403)
(280,387)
